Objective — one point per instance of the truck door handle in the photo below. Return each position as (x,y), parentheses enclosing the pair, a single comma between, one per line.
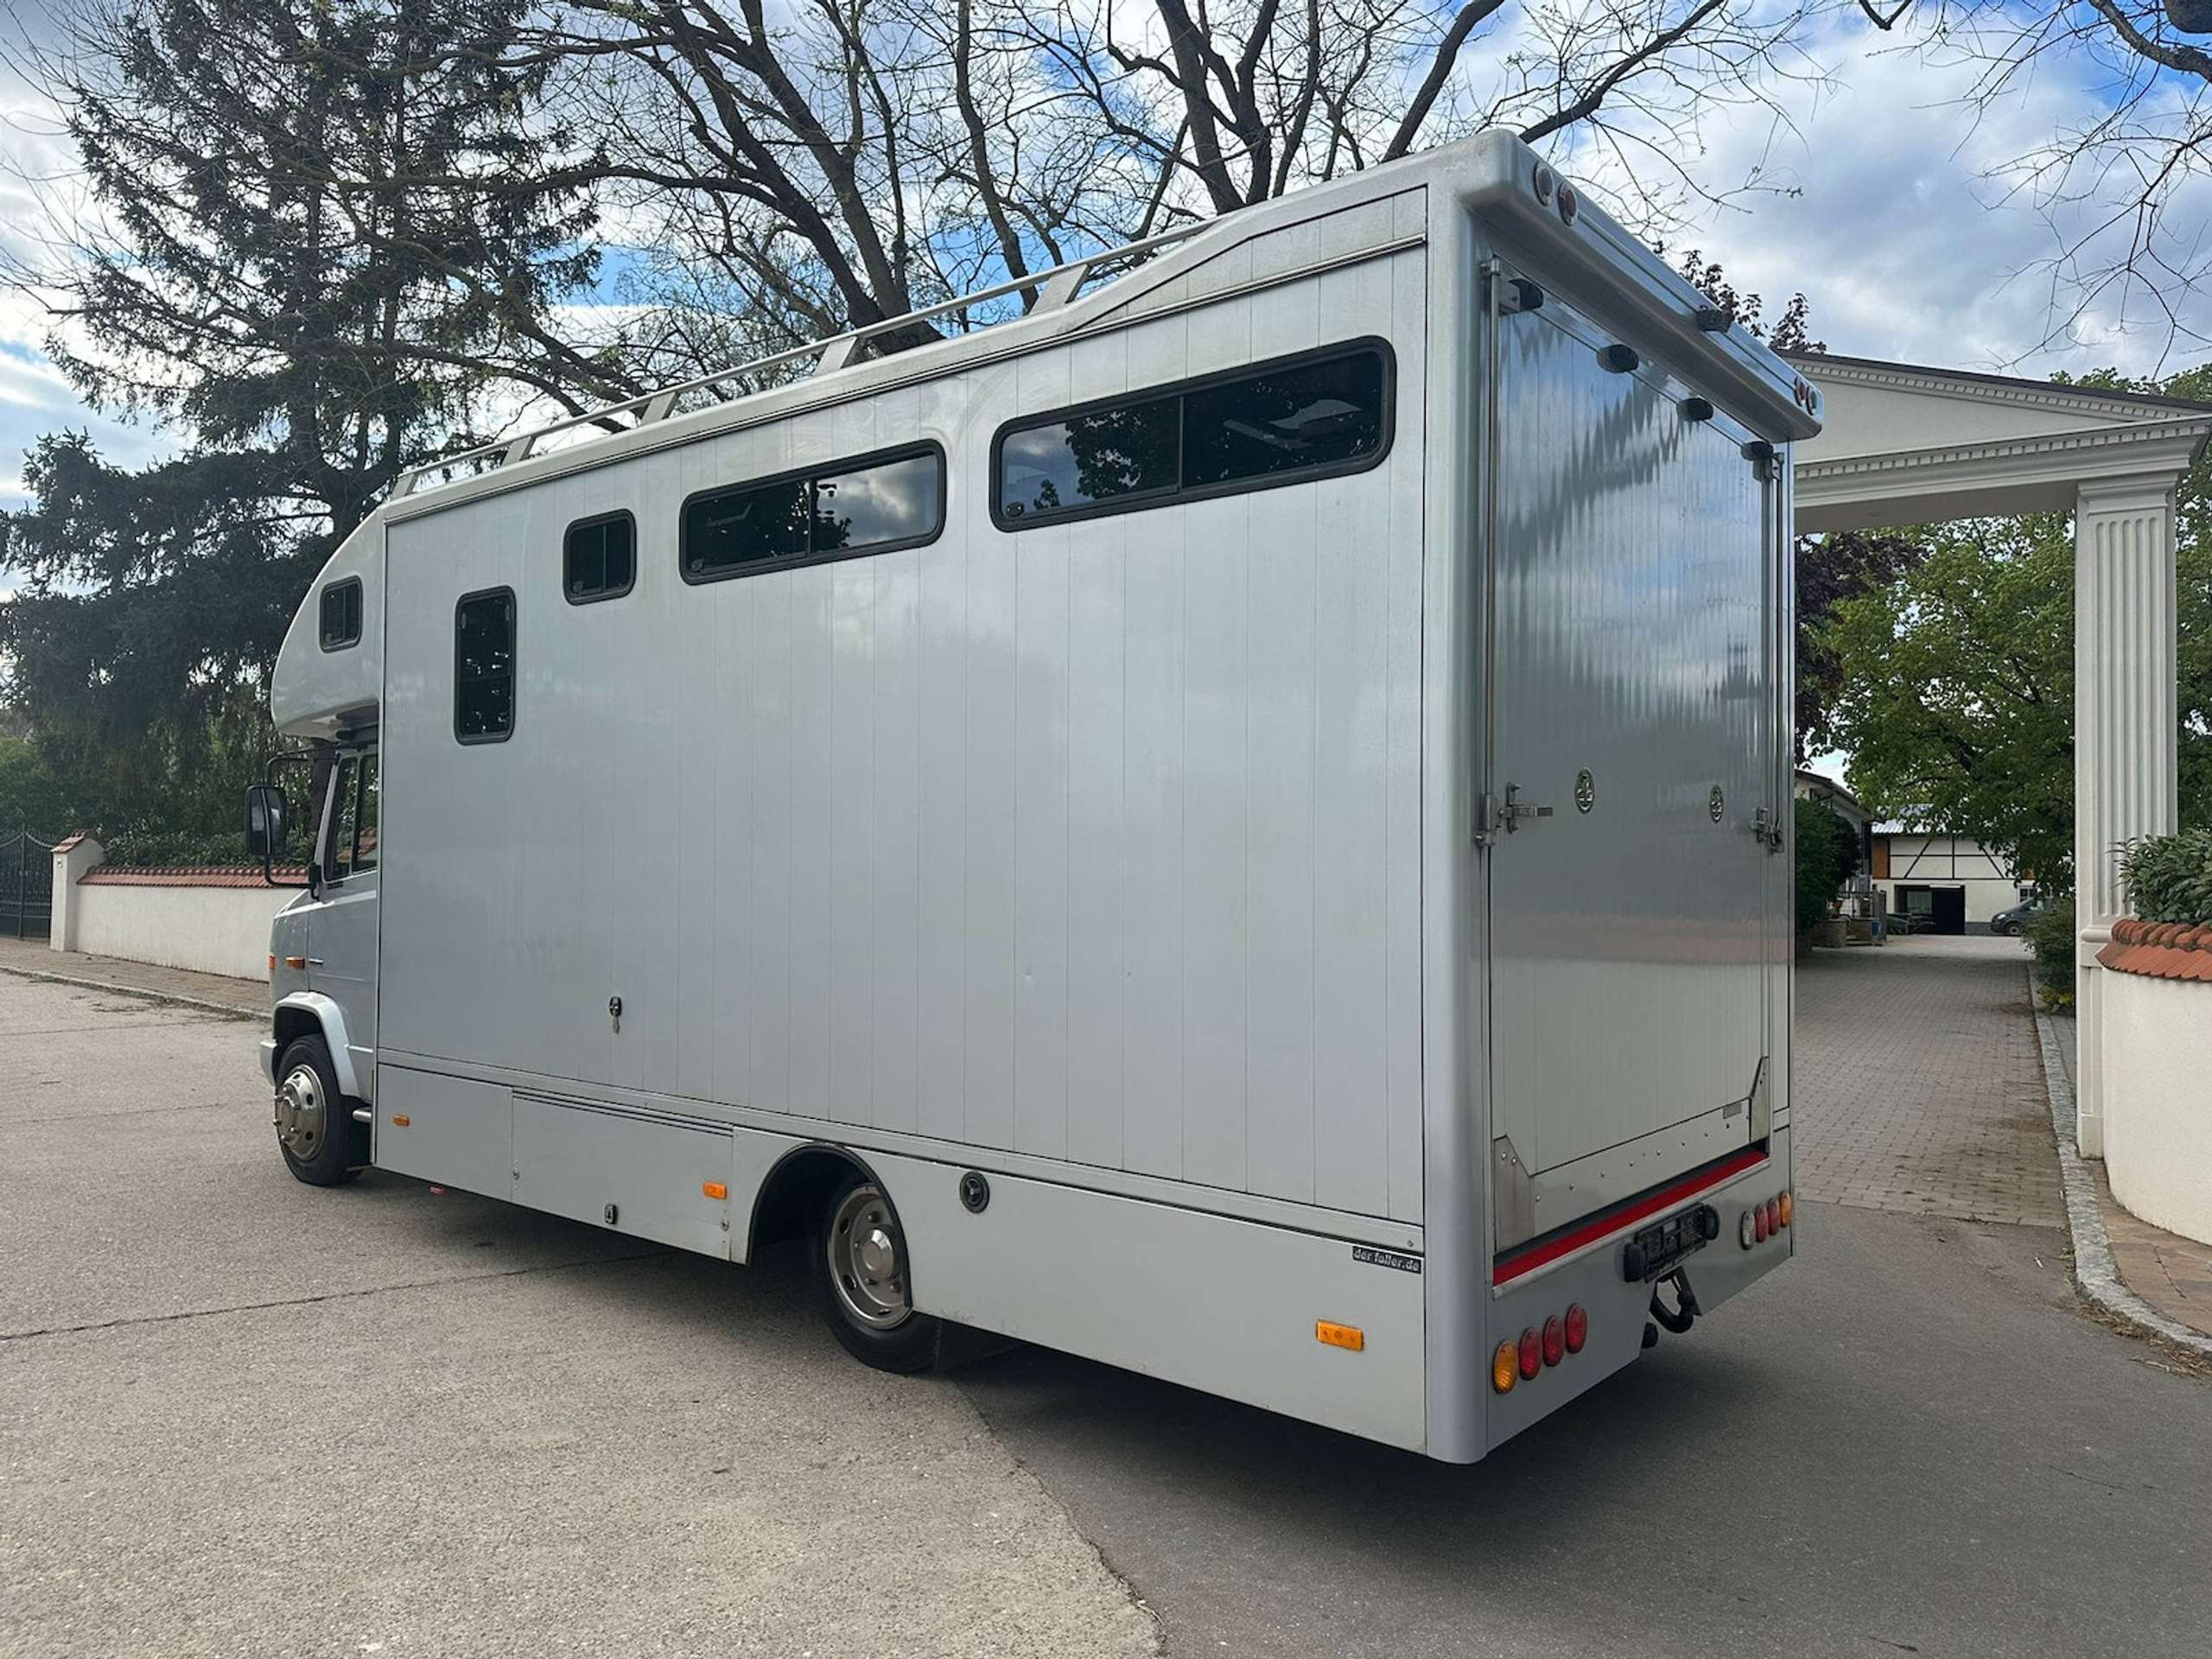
(315,961)
(1514,810)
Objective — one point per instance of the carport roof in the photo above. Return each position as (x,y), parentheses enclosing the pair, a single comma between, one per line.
(1906,443)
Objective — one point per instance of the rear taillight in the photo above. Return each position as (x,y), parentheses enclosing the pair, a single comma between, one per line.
(1578,1328)
(1554,1340)
(1532,1353)
(1765,1221)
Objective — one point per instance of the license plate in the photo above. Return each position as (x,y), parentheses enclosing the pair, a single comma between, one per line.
(1653,1251)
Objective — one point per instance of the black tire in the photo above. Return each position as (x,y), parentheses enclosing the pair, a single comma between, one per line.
(893,1340)
(333,1151)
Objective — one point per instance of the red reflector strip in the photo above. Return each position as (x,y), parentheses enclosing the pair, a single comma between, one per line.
(1590,1232)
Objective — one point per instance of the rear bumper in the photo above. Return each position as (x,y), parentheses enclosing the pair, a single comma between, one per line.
(1590,1276)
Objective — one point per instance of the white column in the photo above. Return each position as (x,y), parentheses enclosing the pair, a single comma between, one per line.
(71,858)
(2124,727)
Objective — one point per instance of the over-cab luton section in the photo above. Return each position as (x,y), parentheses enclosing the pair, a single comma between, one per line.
(1235,824)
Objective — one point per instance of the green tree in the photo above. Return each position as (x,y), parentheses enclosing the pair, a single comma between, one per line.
(1827,852)
(1957,679)
(326,241)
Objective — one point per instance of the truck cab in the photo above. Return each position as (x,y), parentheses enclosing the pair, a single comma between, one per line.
(320,1052)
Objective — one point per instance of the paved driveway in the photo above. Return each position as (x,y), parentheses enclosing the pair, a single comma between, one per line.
(241,1417)
(1922,1082)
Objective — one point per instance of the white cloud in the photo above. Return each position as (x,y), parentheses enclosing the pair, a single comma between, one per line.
(1890,226)
(1897,232)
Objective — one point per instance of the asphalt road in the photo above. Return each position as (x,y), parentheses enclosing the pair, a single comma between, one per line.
(239,1416)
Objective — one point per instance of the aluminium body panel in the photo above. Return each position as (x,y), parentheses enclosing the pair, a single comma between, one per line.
(1633,700)
(1210,1301)
(1095,842)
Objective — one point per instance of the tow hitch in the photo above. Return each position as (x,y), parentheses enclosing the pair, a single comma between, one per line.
(1683,1314)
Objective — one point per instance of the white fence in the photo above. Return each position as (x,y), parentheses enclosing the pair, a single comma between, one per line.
(210,921)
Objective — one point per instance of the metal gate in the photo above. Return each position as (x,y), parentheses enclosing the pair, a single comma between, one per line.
(25,886)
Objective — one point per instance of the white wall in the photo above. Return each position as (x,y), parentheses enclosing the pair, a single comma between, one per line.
(2157,1049)
(208,929)
(1917,860)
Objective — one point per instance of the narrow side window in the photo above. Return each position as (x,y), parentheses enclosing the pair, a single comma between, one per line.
(341,618)
(599,558)
(484,666)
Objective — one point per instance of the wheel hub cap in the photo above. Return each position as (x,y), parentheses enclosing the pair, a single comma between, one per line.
(868,1260)
(301,1116)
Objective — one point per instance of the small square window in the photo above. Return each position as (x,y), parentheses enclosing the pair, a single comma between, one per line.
(599,558)
(341,614)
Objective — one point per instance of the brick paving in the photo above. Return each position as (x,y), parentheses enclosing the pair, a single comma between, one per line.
(1919,1085)
(221,990)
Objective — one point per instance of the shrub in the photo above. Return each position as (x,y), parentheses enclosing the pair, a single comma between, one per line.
(2050,934)
(2169,877)
(161,849)
(1827,853)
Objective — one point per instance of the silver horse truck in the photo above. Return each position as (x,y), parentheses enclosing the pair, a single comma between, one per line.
(1236,822)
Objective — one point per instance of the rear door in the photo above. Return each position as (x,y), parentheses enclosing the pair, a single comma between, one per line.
(1630,732)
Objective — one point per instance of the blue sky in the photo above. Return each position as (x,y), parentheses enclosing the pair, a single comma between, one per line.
(1890,226)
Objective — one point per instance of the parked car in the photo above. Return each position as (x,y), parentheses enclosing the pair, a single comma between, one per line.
(2010,922)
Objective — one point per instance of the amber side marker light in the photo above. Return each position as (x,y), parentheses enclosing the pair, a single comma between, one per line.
(1505,1368)
(1788,1208)
(1340,1336)
(400,1120)
(715,1189)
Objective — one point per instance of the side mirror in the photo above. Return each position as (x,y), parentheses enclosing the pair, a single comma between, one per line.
(268,822)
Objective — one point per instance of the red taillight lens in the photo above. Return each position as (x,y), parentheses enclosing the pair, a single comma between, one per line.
(1758,1223)
(1578,1328)
(1554,1340)
(1532,1352)
(1773,1217)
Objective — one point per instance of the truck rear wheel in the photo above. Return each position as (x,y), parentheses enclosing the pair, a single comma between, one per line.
(860,1271)
(316,1130)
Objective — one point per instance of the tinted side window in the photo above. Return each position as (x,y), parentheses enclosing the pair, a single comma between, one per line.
(341,618)
(1302,417)
(599,558)
(731,529)
(892,501)
(1315,415)
(866,507)
(484,666)
(1103,455)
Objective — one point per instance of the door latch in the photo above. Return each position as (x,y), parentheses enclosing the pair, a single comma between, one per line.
(1767,829)
(1495,815)
(1514,809)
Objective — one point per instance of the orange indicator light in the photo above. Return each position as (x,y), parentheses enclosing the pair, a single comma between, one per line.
(714,1189)
(400,1120)
(1505,1368)
(291,962)
(1341,1336)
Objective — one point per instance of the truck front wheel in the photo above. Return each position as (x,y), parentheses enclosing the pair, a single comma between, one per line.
(316,1130)
(862,1273)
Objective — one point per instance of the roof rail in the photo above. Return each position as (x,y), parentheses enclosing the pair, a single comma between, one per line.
(1061,283)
